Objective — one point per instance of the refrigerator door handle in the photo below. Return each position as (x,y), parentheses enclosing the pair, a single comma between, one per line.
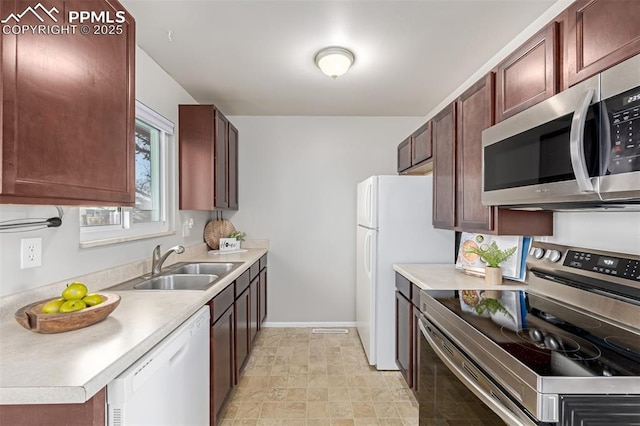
(367,254)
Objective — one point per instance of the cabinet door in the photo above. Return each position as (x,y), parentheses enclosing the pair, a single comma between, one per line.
(253,309)
(243,337)
(528,75)
(263,297)
(404,339)
(220,147)
(404,155)
(475,108)
(68,111)
(197,179)
(421,144)
(232,168)
(415,353)
(444,143)
(600,33)
(222,371)
(90,413)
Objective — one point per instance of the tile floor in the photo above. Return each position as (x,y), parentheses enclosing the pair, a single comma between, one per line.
(295,377)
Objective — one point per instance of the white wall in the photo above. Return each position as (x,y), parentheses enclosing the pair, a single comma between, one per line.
(297,180)
(62,257)
(611,231)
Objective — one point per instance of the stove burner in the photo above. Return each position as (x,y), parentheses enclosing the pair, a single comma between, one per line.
(584,323)
(628,344)
(541,341)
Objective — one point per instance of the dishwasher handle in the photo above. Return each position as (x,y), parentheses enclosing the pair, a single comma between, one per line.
(472,378)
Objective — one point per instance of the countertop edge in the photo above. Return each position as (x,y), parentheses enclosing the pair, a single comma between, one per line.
(447,277)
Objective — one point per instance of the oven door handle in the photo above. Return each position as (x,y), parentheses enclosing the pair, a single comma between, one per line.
(489,397)
(576,143)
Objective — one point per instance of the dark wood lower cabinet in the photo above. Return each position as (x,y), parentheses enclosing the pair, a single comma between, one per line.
(222,363)
(415,366)
(91,413)
(254,318)
(243,338)
(404,341)
(408,331)
(262,296)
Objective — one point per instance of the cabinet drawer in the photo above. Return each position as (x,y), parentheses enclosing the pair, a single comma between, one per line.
(403,285)
(242,282)
(263,262)
(254,270)
(222,302)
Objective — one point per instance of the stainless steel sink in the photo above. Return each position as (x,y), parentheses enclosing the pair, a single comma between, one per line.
(182,276)
(177,282)
(205,268)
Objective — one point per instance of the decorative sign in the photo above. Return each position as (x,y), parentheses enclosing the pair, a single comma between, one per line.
(229,244)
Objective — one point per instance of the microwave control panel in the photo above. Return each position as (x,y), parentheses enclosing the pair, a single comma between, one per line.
(624,120)
(607,265)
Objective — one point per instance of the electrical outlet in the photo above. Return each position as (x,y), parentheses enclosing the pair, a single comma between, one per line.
(30,252)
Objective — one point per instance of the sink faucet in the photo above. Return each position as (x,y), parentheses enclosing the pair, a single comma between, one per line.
(157,260)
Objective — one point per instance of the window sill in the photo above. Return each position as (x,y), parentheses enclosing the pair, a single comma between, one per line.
(116,240)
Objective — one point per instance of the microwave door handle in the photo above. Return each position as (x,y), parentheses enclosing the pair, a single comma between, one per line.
(576,143)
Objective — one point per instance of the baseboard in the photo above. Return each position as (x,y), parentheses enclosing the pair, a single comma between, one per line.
(308,324)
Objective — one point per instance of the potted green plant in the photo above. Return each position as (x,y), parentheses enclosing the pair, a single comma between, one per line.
(493,257)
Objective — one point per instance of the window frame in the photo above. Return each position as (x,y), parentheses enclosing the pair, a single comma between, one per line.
(128,230)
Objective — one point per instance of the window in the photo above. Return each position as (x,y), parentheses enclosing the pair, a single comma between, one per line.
(150,216)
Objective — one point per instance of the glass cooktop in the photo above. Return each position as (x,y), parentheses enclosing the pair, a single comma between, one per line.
(549,338)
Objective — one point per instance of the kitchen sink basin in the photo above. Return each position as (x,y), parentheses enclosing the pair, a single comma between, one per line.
(182,276)
(206,268)
(177,282)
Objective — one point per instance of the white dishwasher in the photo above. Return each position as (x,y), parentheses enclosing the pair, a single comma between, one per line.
(169,385)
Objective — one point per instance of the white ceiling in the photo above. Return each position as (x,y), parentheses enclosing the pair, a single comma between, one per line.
(256,57)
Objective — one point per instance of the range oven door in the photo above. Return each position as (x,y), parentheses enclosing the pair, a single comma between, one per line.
(453,389)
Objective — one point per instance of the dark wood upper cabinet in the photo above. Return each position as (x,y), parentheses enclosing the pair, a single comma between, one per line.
(221,144)
(414,151)
(68,111)
(600,34)
(444,152)
(232,168)
(457,187)
(474,114)
(208,159)
(404,155)
(529,75)
(421,144)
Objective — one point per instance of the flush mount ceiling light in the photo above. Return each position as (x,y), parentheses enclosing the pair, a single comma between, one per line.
(334,61)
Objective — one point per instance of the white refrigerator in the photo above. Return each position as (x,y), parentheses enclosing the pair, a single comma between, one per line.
(394,226)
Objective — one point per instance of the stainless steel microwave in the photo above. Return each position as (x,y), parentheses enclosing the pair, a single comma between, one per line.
(577,149)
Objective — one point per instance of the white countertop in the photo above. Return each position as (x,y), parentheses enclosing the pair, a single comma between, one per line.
(73,366)
(446,277)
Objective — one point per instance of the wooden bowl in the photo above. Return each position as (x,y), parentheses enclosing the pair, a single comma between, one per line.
(32,318)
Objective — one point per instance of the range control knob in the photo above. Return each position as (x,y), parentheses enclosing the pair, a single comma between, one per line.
(536,252)
(553,255)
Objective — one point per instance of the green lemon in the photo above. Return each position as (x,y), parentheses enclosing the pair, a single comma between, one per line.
(92,299)
(72,305)
(52,306)
(74,291)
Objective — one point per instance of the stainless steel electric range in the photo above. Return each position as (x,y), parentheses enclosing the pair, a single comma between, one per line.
(564,352)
